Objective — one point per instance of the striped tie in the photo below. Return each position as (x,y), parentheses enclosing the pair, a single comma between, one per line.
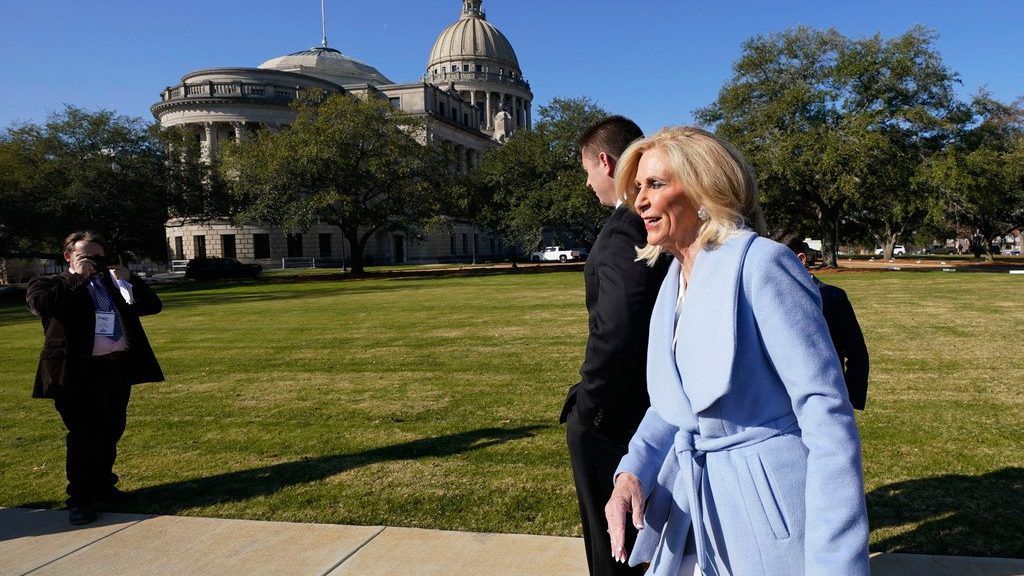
(101,300)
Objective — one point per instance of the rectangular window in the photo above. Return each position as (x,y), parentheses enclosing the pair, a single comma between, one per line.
(452,242)
(443,108)
(476,243)
(455,67)
(179,248)
(479,68)
(325,245)
(227,242)
(396,102)
(465,243)
(492,245)
(295,245)
(261,246)
(465,118)
(465,67)
(199,243)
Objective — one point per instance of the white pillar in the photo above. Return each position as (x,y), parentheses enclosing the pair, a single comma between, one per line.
(211,140)
(488,115)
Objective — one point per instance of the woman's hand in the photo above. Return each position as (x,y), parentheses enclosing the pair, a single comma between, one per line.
(626,504)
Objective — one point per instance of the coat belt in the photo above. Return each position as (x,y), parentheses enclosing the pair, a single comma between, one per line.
(683,480)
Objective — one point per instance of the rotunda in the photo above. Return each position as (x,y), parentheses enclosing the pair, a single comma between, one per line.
(328,64)
(477,60)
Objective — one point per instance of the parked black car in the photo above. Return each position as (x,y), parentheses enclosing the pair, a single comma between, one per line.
(209,268)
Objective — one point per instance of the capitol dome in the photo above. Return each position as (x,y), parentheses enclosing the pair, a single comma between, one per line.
(474,59)
(473,40)
(328,64)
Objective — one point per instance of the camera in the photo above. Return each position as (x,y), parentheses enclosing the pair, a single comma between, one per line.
(98,262)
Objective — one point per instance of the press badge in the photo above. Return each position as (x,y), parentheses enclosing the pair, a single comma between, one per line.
(105,323)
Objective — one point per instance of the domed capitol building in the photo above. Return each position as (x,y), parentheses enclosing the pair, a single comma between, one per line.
(472,95)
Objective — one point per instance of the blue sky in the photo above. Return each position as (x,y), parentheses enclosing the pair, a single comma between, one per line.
(654,60)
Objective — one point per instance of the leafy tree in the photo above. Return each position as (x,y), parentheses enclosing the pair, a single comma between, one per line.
(980,175)
(358,164)
(905,95)
(535,182)
(196,189)
(81,170)
(836,129)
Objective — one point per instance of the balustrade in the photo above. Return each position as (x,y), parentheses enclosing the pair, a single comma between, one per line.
(235,89)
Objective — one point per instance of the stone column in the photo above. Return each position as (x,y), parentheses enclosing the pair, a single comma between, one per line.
(239,131)
(488,115)
(472,105)
(211,140)
(529,116)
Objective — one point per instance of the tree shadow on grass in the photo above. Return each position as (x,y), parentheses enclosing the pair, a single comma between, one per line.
(174,497)
(197,295)
(13,309)
(953,514)
(245,484)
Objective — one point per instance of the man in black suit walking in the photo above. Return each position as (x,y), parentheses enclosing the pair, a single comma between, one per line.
(603,410)
(94,350)
(844,330)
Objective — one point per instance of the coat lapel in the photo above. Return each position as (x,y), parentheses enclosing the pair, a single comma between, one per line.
(706,346)
(663,382)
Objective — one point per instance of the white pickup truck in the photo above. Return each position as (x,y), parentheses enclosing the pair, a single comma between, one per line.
(557,254)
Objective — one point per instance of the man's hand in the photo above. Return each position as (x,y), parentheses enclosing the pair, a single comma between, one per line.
(626,504)
(85,268)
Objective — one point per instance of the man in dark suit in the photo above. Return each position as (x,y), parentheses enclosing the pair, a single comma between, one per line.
(844,330)
(93,352)
(604,409)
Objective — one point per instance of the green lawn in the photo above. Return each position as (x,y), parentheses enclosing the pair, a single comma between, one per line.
(433,402)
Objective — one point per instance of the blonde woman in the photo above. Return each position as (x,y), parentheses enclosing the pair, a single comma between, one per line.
(748,460)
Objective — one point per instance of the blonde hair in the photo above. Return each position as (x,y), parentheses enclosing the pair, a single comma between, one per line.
(713,174)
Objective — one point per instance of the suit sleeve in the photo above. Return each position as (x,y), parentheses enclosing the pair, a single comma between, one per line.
(787,310)
(854,351)
(146,301)
(51,295)
(618,324)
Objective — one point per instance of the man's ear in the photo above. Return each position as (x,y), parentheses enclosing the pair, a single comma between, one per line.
(607,164)
(803,258)
(67,257)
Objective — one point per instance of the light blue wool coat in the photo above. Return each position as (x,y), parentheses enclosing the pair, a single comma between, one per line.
(750,441)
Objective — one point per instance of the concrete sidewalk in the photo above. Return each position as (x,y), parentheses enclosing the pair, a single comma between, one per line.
(40,542)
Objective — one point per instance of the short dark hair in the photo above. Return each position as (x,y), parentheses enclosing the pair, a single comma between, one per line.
(611,135)
(84,236)
(798,246)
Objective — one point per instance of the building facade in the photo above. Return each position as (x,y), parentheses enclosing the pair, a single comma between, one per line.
(472,96)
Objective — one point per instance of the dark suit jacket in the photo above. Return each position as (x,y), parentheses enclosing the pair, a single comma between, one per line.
(612,392)
(63,303)
(848,341)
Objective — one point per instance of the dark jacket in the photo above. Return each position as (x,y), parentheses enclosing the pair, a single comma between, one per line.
(63,303)
(612,392)
(848,340)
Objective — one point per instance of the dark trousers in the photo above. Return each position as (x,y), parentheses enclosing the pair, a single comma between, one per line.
(595,456)
(95,414)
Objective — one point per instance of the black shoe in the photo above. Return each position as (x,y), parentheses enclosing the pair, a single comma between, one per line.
(79,515)
(115,495)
